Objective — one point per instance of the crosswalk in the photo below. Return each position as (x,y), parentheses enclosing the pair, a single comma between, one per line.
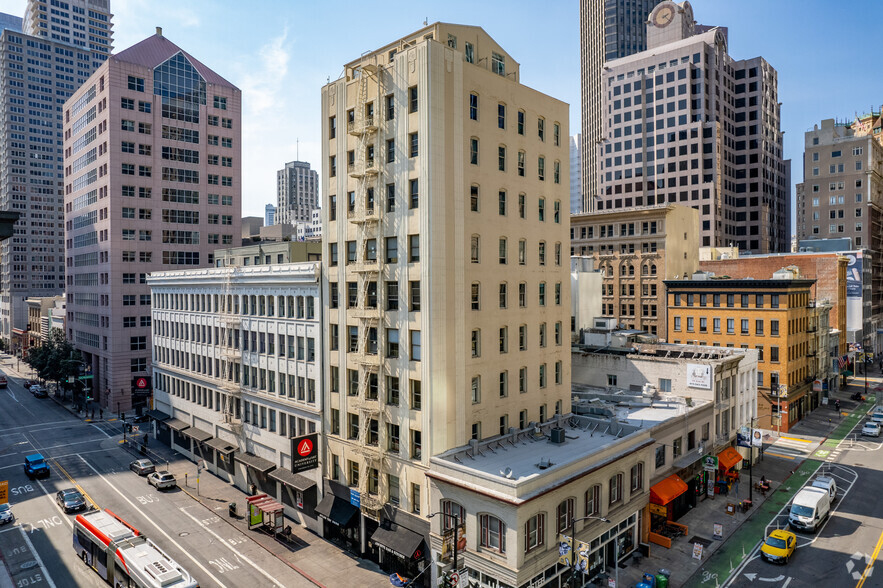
(791,448)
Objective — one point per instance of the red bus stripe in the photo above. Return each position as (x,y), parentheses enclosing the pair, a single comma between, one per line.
(93,529)
(122,559)
(114,515)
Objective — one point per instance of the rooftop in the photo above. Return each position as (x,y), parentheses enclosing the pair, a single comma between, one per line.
(156,49)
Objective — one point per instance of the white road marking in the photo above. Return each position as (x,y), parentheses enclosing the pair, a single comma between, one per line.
(39,425)
(157,527)
(37,557)
(100,429)
(230,547)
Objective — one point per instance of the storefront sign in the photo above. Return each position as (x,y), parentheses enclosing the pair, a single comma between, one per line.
(304,453)
(756,438)
(565,553)
(697,551)
(709,463)
(710,486)
(718,531)
(817,386)
(699,376)
(448,542)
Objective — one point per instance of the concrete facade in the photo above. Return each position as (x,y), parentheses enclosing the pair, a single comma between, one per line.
(268,253)
(636,250)
(85,24)
(446,211)
(576,178)
(686,123)
(609,29)
(152,126)
(297,193)
(586,286)
(237,361)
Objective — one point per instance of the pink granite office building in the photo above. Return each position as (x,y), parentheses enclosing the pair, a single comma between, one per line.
(152,160)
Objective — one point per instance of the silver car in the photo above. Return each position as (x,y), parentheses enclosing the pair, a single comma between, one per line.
(142,467)
(6,515)
(162,480)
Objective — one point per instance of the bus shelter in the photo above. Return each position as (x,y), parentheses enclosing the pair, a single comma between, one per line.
(265,513)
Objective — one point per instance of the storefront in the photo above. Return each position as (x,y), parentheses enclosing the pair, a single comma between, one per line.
(198,447)
(179,442)
(161,430)
(399,549)
(671,499)
(222,466)
(299,494)
(727,473)
(255,470)
(340,521)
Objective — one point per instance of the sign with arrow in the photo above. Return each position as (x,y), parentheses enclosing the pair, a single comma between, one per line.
(304,453)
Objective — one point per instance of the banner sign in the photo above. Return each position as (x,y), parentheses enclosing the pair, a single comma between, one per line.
(699,376)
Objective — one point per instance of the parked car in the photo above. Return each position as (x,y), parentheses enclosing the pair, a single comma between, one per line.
(809,509)
(877,415)
(162,480)
(36,467)
(141,419)
(828,484)
(779,546)
(871,429)
(70,500)
(6,515)
(3,381)
(142,467)
(39,391)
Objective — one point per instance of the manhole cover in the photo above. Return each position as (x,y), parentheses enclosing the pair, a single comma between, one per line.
(28,565)
(183,534)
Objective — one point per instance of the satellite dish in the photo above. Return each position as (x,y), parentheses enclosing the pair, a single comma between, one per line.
(507,473)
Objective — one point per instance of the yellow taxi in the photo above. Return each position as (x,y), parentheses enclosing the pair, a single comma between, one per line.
(779,546)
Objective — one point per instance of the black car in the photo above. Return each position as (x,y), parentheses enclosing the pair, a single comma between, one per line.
(70,500)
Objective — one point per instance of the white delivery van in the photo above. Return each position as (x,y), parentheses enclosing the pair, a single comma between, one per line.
(809,509)
(826,483)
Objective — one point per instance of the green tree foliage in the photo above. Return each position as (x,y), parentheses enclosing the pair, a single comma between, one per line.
(56,359)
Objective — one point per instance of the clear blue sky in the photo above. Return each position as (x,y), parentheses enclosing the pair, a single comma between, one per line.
(280,53)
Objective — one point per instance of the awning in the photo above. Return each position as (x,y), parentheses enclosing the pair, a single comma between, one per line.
(688,459)
(336,510)
(157,415)
(296,481)
(667,490)
(221,445)
(253,461)
(177,424)
(198,435)
(401,541)
(728,458)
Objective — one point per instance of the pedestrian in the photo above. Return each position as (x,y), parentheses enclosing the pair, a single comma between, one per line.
(101,413)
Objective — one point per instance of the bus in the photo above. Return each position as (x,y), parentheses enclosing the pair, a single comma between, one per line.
(124,557)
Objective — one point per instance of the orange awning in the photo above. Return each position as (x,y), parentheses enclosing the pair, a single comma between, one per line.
(667,490)
(728,458)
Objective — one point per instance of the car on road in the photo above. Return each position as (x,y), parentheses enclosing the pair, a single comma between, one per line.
(871,429)
(36,467)
(162,480)
(3,381)
(828,484)
(39,391)
(6,515)
(141,419)
(70,500)
(779,546)
(142,467)
(810,508)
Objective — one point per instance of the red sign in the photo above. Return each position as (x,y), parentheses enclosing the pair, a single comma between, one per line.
(305,448)
(141,383)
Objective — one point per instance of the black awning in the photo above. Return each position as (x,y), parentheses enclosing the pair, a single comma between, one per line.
(296,481)
(198,435)
(253,461)
(157,415)
(401,541)
(337,511)
(177,424)
(221,445)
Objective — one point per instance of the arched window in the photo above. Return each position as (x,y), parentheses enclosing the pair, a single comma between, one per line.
(474,248)
(653,270)
(493,533)
(593,500)
(631,270)
(645,270)
(451,509)
(475,296)
(564,515)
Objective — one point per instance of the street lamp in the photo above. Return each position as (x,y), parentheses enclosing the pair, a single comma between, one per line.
(456,518)
(573,547)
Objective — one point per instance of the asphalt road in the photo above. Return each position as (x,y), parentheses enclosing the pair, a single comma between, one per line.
(38,548)
(843,552)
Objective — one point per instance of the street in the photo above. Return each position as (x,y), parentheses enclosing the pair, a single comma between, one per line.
(37,549)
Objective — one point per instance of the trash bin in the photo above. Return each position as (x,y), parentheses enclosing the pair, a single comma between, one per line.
(661,581)
(231,509)
(665,572)
(649,580)
(643,585)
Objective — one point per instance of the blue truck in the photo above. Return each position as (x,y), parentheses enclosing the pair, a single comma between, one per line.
(36,466)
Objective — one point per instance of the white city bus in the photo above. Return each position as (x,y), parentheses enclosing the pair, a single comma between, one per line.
(123,556)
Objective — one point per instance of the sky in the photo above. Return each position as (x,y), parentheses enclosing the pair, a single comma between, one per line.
(280,53)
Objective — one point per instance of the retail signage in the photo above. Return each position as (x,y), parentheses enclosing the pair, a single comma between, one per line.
(709,463)
(756,438)
(658,510)
(699,376)
(447,551)
(697,551)
(304,453)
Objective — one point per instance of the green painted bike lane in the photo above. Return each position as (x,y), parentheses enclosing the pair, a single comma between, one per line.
(741,543)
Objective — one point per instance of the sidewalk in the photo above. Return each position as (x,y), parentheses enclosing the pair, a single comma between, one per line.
(320,562)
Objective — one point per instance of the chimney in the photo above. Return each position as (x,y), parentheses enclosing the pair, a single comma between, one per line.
(159,31)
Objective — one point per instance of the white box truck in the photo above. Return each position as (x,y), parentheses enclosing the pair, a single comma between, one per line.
(809,509)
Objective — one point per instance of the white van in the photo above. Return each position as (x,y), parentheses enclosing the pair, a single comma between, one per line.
(809,509)
(828,484)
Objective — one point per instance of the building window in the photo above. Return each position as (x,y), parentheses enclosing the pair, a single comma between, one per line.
(534,531)
(564,516)
(637,478)
(473,107)
(493,533)
(415,144)
(501,158)
(593,500)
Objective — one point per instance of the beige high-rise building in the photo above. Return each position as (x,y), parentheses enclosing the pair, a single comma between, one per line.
(636,250)
(446,218)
